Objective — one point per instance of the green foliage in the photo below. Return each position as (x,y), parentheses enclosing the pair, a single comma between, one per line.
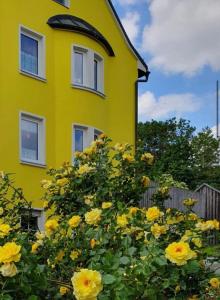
(188,157)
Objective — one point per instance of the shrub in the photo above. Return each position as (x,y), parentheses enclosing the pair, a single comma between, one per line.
(99,244)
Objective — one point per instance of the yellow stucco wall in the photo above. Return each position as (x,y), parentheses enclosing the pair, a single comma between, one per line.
(61,104)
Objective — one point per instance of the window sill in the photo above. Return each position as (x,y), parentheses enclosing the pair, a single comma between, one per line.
(33,164)
(67,6)
(33,76)
(84,88)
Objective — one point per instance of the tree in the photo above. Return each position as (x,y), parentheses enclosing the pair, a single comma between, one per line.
(178,151)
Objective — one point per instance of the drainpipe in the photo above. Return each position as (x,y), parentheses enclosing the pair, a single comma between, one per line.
(136,103)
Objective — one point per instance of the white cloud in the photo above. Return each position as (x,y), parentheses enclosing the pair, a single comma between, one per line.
(131,25)
(176,104)
(183,36)
(214,130)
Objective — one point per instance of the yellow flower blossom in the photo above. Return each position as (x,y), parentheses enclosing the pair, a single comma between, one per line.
(88,199)
(214,282)
(93,217)
(153,213)
(34,247)
(179,252)
(10,252)
(62,182)
(106,205)
(128,157)
(63,290)
(197,242)
(46,184)
(193,297)
(87,284)
(40,235)
(122,220)
(148,157)
(92,243)
(190,202)
(74,221)
(145,181)
(75,254)
(84,169)
(157,230)
(132,211)
(51,225)
(4,230)
(192,217)
(208,225)
(60,256)
(8,270)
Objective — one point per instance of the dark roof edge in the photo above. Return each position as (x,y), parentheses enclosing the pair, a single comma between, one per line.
(141,72)
(56,23)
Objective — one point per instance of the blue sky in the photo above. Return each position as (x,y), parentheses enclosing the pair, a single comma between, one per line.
(179,40)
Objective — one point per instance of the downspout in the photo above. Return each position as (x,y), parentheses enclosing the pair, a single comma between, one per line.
(136,103)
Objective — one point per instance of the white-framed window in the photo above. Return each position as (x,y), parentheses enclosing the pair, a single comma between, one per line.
(32,138)
(87,69)
(83,136)
(34,222)
(32,52)
(63,2)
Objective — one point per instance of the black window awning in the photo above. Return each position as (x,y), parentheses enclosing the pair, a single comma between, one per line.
(72,23)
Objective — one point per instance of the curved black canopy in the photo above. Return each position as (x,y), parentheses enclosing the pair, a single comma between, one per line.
(72,23)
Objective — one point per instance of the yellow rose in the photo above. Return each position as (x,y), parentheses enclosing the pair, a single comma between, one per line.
(93,217)
(89,199)
(8,270)
(192,217)
(214,282)
(10,253)
(148,157)
(190,202)
(75,254)
(122,220)
(92,243)
(145,181)
(51,225)
(84,169)
(4,230)
(179,252)
(74,221)
(153,213)
(34,247)
(63,290)
(62,182)
(106,205)
(46,184)
(157,230)
(40,235)
(87,284)
(128,157)
(60,256)
(133,211)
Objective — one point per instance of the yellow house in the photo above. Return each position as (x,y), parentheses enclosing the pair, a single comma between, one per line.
(68,73)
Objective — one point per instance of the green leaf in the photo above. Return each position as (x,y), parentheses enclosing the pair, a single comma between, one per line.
(33,297)
(132,250)
(108,279)
(124,260)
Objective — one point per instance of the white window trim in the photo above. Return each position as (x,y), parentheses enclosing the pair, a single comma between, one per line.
(88,69)
(67,3)
(89,136)
(41,138)
(41,52)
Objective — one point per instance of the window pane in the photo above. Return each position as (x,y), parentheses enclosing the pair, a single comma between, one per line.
(79,140)
(29,140)
(95,74)
(78,68)
(29,54)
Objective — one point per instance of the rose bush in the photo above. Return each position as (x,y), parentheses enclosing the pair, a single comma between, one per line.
(98,243)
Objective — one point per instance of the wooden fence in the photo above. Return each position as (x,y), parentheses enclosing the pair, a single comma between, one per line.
(208,205)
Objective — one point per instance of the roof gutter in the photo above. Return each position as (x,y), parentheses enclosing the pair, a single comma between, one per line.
(136,104)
